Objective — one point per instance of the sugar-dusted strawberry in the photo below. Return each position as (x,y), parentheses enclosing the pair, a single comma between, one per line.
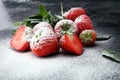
(40,25)
(63,26)
(88,37)
(18,41)
(74,13)
(44,42)
(83,22)
(71,43)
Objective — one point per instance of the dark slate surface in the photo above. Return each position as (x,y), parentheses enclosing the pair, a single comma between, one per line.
(91,65)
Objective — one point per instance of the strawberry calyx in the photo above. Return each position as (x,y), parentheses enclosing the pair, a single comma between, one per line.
(67,29)
(86,36)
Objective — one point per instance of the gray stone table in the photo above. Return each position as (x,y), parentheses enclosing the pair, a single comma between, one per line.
(14,65)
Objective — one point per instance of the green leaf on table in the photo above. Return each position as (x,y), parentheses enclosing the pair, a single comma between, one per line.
(103,37)
(115,56)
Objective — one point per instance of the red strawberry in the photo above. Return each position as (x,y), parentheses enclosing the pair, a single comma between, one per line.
(64,25)
(71,43)
(88,37)
(74,13)
(83,22)
(18,42)
(44,42)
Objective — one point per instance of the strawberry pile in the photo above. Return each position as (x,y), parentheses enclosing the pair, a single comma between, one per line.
(44,34)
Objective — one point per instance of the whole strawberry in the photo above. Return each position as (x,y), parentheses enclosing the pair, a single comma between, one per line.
(63,26)
(88,37)
(83,22)
(73,13)
(40,25)
(18,41)
(44,42)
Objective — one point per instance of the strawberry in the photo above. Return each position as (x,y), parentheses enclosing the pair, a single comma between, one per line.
(88,37)
(64,25)
(71,43)
(41,24)
(18,41)
(44,42)
(73,13)
(83,22)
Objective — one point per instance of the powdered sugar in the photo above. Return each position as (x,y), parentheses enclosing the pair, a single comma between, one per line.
(58,29)
(43,36)
(28,34)
(41,24)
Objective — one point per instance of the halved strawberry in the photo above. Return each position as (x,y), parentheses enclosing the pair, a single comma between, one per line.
(73,13)
(71,43)
(18,41)
(44,42)
(88,37)
(65,25)
(83,22)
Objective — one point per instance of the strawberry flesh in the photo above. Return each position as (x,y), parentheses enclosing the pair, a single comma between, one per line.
(71,44)
(18,41)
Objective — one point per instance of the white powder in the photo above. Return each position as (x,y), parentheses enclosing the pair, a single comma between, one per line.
(28,34)
(58,29)
(41,24)
(43,36)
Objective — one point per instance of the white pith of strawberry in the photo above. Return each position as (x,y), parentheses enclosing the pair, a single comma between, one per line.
(70,43)
(18,41)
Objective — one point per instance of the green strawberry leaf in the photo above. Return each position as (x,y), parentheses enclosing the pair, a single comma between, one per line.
(113,55)
(103,37)
(19,23)
(42,15)
(43,10)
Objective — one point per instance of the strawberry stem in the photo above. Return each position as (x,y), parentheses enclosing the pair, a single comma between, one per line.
(61,5)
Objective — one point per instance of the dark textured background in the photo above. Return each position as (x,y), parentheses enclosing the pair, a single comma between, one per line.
(91,65)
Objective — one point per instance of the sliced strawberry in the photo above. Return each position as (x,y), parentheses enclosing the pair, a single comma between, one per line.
(71,43)
(63,26)
(44,42)
(83,22)
(73,13)
(88,37)
(18,42)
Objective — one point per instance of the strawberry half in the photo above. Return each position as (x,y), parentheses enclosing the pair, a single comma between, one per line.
(73,13)
(44,42)
(88,37)
(64,25)
(18,41)
(83,22)
(71,43)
